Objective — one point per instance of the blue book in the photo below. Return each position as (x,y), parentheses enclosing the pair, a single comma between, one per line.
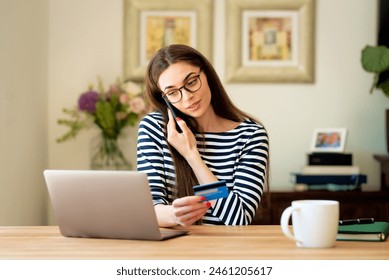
(355,180)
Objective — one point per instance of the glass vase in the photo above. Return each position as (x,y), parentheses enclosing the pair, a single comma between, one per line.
(107,155)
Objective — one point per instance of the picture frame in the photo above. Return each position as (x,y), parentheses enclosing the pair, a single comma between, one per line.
(329,140)
(270,41)
(152,24)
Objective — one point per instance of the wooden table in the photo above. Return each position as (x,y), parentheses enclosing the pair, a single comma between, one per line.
(203,242)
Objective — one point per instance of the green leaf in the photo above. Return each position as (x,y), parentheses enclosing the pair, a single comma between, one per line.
(132,119)
(385,87)
(75,124)
(105,118)
(114,100)
(375,59)
(74,128)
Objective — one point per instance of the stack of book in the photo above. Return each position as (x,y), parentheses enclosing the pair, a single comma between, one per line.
(377,231)
(330,171)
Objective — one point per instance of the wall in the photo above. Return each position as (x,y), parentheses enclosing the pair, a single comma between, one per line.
(86,41)
(51,50)
(23,111)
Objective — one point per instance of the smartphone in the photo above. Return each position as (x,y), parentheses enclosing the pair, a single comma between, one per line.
(173,110)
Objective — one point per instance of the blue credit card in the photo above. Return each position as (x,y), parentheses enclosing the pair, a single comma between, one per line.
(212,191)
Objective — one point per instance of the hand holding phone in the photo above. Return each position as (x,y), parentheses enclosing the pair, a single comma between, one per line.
(172,109)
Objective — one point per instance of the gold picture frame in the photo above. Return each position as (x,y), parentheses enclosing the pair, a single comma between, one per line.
(270,41)
(148,24)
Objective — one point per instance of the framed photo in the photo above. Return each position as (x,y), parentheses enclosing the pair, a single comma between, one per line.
(329,140)
(152,24)
(270,41)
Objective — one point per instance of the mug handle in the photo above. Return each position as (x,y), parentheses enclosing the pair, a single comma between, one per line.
(285,222)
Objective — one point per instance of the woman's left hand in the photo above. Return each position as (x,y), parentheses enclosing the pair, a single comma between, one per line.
(189,209)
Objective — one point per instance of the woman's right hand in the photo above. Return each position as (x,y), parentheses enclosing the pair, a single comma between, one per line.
(184,142)
(187,210)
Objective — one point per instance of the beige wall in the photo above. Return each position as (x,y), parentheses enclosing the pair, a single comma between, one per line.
(23,111)
(85,40)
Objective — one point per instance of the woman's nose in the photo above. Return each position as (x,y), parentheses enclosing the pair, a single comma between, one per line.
(186,94)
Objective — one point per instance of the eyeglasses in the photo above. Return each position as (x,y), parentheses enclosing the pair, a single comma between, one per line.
(192,85)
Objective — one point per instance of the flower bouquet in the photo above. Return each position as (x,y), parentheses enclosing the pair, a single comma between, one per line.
(110,110)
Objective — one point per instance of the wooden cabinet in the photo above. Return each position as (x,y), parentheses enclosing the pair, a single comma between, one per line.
(384,166)
(353,204)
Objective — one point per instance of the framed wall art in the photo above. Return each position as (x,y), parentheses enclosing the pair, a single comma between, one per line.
(270,41)
(329,140)
(152,24)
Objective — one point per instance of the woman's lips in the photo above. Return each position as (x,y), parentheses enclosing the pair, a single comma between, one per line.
(193,106)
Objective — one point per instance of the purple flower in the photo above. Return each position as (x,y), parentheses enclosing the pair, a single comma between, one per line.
(87,101)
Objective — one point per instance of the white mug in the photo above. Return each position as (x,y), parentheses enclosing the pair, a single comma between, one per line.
(315,223)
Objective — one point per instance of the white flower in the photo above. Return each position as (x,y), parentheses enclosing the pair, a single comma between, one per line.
(131,88)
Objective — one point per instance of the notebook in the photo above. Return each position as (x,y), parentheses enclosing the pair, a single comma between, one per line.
(377,231)
(104,204)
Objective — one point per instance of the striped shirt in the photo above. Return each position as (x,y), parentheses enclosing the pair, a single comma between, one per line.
(238,156)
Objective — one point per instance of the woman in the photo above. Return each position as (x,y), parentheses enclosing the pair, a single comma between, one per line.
(217,142)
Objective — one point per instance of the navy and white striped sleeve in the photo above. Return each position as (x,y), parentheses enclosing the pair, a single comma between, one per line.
(248,181)
(150,156)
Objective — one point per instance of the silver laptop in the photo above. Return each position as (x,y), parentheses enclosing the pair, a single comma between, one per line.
(104,204)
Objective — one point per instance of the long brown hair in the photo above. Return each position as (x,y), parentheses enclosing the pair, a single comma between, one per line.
(221,103)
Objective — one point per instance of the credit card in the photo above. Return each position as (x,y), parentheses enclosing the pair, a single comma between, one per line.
(212,191)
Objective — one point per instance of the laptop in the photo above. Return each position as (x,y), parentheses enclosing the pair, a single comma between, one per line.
(104,204)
